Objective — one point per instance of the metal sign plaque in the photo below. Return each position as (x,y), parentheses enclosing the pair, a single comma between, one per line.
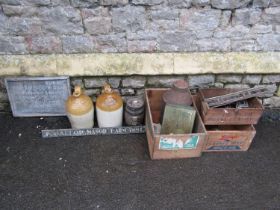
(38,96)
(92,132)
(236,96)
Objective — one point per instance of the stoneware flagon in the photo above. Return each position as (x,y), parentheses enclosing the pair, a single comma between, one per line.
(80,110)
(109,108)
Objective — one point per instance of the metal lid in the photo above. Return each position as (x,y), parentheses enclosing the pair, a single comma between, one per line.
(135,102)
(181,84)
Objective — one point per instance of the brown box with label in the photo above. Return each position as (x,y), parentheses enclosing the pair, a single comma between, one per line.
(229,138)
(171,145)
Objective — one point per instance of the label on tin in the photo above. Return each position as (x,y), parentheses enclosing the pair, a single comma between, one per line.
(166,143)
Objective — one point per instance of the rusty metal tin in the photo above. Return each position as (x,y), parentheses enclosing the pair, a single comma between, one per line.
(134,111)
(179,94)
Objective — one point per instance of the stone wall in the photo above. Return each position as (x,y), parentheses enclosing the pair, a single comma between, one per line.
(129,86)
(85,26)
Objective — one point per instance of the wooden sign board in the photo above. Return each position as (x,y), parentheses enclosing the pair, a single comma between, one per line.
(92,132)
(38,96)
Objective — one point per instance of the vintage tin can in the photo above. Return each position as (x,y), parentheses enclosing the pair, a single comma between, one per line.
(179,94)
(134,111)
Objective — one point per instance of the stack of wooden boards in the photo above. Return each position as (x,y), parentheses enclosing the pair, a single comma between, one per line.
(216,128)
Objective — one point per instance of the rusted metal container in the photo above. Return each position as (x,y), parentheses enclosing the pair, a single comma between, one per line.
(163,146)
(228,116)
(134,111)
(179,94)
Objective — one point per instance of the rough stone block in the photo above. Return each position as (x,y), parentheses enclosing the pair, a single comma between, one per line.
(142,46)
(142,35)
(277,29)
(140,92)
(22,11)
(252,79)
(229,78)
(61,20)
(201,80)
(84,3)
(96,12)
(77,44)
(12,45)
(164,25)
(246,16)
(134,82)
(177,41)
(271,15)
(238,31)
(163,81)
(129,18)
(273,102)
(225,18)
(203,34)
(164,14)
(98,25)
(60,2)
(218,85)
(269,42)
(213,44)
(243,45)
(113,2)
(95,82)
(200,19)
(127,92)
(77,81)
(179,3)
(44,44)
(273,78)
(147,2)
(275,3)
(92,92)
(114,82)
(111,43)
(3,24)
(26,2)
(200,3)
(229,4)
(237,86)
(271,89)
(261,3)
(24,26)
(261,29)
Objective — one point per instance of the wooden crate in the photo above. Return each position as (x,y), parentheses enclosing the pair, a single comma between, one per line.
(228,116)
(154,106)
(229,138)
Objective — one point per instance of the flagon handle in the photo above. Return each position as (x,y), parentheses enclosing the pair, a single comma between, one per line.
(77,91)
